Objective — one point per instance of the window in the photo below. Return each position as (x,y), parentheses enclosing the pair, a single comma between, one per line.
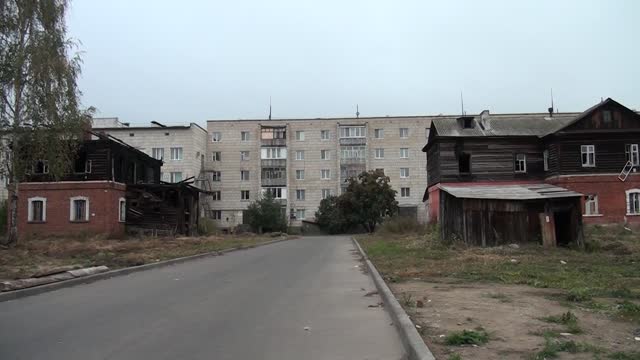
(276,192)
(157,153)
(467,122)
(79,208)
(274,153)
(404,172)
(244,136)
(299,154)
(176,176)
(588,153)
(216,176)
(244,175)
(82,165)
(300,135)
(380,170)
(606,117)
(324,154)
(216,195)
(132,134)
(378,133)
(244,195)
(545,160)
(216,214)
(379,153)
(176,153)
(404,153)
(405,192)
(326,193)
(300,213)
(352,132)
(122,210)
(244,155)
(520,165)
(299,174)
(217,156)
(591,205)
(464,163)
(37,209)
(404,133)
(633,201)
(216,137)
(268,133)
(325,135)
(352,152)
(631,153)
(300,194)
(273,173)
(325,174)
(41,167)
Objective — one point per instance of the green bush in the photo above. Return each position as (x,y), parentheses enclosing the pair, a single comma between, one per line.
(265,215)
(207,227)
(403,225)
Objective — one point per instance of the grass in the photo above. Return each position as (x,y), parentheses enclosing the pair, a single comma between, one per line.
(467,337)
(29,256)
(568,319)
(628,310)
(620,355)
(552,347)
(406,300)
(602,270)
(454,357)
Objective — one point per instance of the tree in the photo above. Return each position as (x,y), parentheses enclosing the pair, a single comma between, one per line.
(265,214)
(330,217)
(40,115)
(368,200)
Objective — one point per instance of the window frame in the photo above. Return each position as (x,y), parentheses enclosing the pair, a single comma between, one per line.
(301,211)
(243,157)
(587,150)
(406,151)
(628,194)
(72,208)
(406,131)
(216,156)
(322,172)
(630,153)
(155,151)
(122,212)
(591,199)
(244,177)
(301,153)
(405,176)
(243,137)
(379,153)
(243,197)
(301,192)
(216,195)
(323,195)
(216,176)
(299,135)
(405,192)
(325,154)
(179,150)
(378,133)
(323,133)
(522,162)
(30,209)
(216,136)
(172,176)
(299,174)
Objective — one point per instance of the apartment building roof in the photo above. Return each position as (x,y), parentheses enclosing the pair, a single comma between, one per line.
(346,119)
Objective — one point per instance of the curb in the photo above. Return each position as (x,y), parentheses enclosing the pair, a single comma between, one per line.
(18,294)
(412,341)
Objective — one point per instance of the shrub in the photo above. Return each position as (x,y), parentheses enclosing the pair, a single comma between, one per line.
(206,227)
(265,215)
(579,295)
(402,225)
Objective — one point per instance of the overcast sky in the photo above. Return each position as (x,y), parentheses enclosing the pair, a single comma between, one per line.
(193,60)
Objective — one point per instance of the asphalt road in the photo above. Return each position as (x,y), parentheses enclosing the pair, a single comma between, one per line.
(251,304)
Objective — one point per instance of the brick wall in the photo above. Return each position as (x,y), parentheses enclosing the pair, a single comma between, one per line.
(612,199)
(103,208)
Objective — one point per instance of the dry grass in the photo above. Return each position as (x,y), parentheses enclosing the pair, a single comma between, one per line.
(31,255)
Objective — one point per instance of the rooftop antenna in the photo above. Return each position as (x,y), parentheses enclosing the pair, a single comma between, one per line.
(269,107)
(462,104)
(357,111)
(551,108)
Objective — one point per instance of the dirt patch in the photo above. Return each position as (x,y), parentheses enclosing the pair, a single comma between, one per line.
(513,315)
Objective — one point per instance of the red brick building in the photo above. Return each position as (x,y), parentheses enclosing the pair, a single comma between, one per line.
(594,153)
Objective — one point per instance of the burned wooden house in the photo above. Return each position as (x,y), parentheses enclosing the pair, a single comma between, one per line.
(112,188)
(489,175)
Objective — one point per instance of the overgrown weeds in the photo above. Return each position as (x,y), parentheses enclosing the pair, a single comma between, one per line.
(467,337)
(569,319)
(554,346)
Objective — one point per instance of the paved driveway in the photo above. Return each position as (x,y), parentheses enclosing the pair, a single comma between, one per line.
(251,304)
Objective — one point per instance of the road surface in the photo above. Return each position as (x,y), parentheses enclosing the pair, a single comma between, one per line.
(251,304)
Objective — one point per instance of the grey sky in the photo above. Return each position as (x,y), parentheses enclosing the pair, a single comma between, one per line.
(181,61)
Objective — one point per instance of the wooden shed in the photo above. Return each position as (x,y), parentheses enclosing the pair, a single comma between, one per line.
(496,215)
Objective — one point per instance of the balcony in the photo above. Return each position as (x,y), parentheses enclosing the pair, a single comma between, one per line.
(273,163)
(274,142)
(274,182)
(353,141)
(353,161)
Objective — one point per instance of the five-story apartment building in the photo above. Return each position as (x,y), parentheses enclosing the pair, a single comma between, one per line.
(302,161)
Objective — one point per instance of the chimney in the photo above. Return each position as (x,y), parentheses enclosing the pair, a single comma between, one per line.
(484,120)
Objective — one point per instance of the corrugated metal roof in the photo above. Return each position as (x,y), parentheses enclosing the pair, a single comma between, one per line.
(505,125)
(510,192)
